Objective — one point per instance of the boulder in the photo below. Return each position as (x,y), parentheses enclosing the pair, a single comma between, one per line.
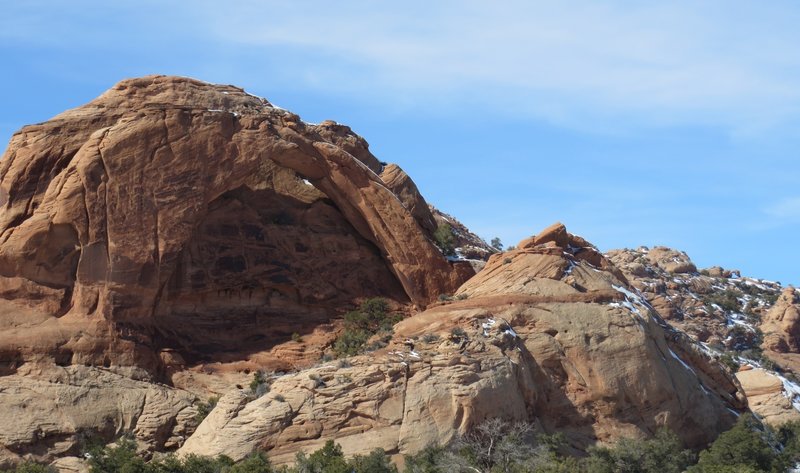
(672,261)
(781,324)
(767,396)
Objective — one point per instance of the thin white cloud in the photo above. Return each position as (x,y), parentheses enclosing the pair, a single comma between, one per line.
(786,210)
(721,63)
(586,64)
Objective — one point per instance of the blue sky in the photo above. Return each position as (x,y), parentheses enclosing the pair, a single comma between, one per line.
(634,123)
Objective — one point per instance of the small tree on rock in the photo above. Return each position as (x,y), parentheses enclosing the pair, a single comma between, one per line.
(444,239)
(496,243)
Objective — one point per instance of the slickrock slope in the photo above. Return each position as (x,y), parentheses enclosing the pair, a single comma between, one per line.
(542,334)
(175,215)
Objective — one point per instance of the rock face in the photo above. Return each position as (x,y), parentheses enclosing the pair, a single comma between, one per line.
(404,188)
(54,411)
(781,325)
(172,214)
(767,396)
(542,334)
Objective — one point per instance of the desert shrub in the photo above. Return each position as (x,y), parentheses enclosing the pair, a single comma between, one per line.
(754,290)
(317,380)
(200,464)
(742,338)
(743,448)
(350,342)
(495,445)
(190,464)
(205,408)
(788,435)
(331,459)
(430,338)
(457,334)
(550,459)
(728,360)
(359,325)
(328,459)
(428,460)
(375,462)
(378,344)
(757,354)
(751,311)
(259,385)
(496,243)
(371,316)
(770,299)
(31,467)
(767,363)
(120,458)
(500,446)
(444,238)
(296,337)
(728,299)
(664,453)
(255,463)
(344,378)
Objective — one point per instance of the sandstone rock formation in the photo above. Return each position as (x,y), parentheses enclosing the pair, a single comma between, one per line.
(55,411)
(729,314)
(172,215)
(541,334)
(404,188)
(767,396)
(781,325)
(672,261)
(166,239)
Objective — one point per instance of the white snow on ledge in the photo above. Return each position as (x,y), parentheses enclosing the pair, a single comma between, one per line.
(791,391)
(488,325)
(681,361)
